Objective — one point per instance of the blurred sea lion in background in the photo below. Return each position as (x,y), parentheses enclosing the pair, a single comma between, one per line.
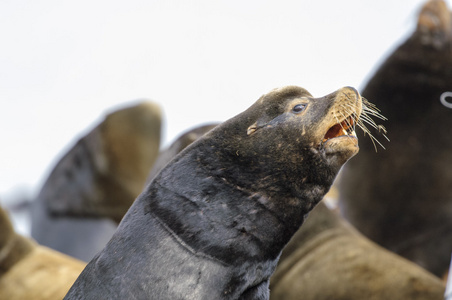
(328,259)
(95,182)
(402,197)
(31,271)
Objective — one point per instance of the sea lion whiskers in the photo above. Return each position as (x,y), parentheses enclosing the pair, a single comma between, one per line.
(349,115)
(366,130)
(368,109)
(372,109)
(349,127)
(350,118)
(346,114)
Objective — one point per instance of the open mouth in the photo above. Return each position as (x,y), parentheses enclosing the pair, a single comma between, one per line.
(344,128)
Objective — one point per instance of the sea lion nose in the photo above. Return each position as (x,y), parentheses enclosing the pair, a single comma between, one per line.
(348,92)
(351,90)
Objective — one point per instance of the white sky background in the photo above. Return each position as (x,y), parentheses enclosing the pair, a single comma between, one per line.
(64,63)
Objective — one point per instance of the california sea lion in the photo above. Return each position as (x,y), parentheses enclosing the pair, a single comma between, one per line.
(95,182)
(402,197)
(328,259)
(213,222)
(30,271)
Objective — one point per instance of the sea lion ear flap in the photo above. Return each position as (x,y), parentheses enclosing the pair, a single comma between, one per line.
(257,125)
(251,129)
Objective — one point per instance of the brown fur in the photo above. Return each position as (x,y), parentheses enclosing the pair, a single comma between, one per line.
(328,259)
(30,271)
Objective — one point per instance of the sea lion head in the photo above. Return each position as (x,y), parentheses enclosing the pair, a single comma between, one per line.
(286,142)
(289,121)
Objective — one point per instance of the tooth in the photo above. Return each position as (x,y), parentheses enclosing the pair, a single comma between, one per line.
(344,131)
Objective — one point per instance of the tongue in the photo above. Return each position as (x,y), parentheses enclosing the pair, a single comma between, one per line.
(334,131)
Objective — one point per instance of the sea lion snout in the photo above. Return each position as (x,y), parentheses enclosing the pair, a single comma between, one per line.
(345,107)
(348,90)
(339,141)
(349,94)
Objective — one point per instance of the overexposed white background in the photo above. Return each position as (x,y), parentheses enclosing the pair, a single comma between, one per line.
(63,64)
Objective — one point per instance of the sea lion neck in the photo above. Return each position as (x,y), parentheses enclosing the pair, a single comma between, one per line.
(212,214)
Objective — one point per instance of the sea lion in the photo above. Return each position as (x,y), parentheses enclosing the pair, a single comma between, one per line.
(31,271)
(328,259)
(213,222)
(405,201)
(95,182)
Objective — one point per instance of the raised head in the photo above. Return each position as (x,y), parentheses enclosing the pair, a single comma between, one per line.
(289,134)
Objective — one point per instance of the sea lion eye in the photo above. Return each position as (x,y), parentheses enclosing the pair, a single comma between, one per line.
(299,108)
